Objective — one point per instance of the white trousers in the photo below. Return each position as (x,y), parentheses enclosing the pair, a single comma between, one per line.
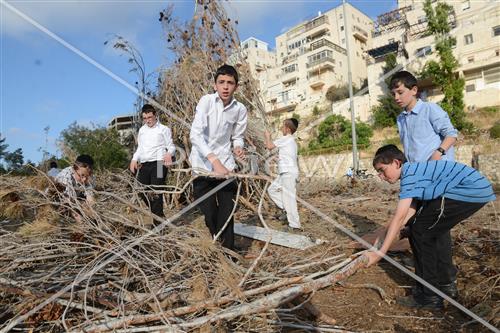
(283,192)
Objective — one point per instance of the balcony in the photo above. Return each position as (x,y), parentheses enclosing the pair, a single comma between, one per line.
(326,62)
(384,50)
(359,33)
(325,42)
(315,23)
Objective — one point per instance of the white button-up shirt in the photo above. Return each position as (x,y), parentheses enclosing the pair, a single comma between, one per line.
(214,127)
(287,150)
(153,143)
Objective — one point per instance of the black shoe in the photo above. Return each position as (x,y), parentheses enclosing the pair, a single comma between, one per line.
(421,302)
(450,289)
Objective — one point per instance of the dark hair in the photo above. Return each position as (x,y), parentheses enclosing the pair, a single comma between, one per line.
(84,161)
(53,164)
(292,124)
(148,108)
(403,77)
(387,154)
(227,70)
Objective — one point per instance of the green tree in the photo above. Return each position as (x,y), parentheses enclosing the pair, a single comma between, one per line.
(443,72)
(335,132)
(3,147)
(99,142)
(386,112)
(14,159)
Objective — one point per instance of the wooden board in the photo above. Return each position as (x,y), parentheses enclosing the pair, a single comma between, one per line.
(281,238)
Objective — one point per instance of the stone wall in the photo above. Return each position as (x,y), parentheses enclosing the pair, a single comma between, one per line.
(336,165)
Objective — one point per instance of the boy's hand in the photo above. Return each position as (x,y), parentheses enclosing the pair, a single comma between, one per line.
(133,166)
(436,156)
(239,152)
(219,168)
(373,258)
(167,159)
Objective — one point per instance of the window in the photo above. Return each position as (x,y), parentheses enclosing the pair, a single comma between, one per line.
(343,40)
(340,16)
(496,30)
(465,4)
(492,75)
(423,51)
(468,39)
(320,55)
(497,53)
(422,19)
(340,63)
(342,28)
(471,76)
(470,87)
(470,59)
(290,69)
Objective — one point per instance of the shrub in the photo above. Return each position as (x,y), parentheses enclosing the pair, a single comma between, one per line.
(495,131)
(335,132)
(316,111)
(491,109)
(337,93)
(386,113)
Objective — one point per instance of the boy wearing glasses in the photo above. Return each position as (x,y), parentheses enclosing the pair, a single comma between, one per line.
(434,197)
(155,149)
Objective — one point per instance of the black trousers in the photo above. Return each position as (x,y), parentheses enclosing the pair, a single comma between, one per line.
(430,238)
(153,173)
(217,207)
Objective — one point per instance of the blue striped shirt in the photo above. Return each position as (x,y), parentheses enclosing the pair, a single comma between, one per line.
(432,179)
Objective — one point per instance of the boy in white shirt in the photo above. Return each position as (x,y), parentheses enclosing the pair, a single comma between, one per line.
(155,149)
(219,125)
(283,189)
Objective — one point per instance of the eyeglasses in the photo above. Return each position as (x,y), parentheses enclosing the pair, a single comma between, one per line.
(380,170)
(148,117)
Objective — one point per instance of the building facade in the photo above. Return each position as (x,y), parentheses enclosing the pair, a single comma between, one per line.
(312,56)
(474,24)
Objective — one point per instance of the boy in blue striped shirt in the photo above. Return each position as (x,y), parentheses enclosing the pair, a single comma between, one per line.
(436,195)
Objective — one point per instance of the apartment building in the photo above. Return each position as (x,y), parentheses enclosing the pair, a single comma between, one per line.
(312,56)
(124,126)
(261,60)
(476,27)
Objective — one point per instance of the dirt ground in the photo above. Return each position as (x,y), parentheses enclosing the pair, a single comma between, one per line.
(363,208)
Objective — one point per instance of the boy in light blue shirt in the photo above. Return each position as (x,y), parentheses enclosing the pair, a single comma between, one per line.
(426,133)
(438,195)
(424,128)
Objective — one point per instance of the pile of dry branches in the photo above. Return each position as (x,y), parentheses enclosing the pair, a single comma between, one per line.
(110,272)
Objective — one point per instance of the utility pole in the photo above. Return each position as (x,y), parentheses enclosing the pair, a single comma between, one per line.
(349,75)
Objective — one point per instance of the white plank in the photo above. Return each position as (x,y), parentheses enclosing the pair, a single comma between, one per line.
(278,237)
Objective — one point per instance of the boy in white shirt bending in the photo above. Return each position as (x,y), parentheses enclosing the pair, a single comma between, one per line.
(283,189)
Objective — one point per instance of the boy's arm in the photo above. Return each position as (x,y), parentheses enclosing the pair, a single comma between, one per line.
(239,133)
(198,139)
(398,220)
(169,146)
(442,125)
(445,144)
(135,158)
(197,127)
(267,141)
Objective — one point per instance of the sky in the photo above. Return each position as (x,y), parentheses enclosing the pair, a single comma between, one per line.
(46,49)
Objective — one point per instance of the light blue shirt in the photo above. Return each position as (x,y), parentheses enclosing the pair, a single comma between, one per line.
(422,130)
(434,179)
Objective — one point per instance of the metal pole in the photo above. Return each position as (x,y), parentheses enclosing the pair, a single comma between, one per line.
(349,75)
